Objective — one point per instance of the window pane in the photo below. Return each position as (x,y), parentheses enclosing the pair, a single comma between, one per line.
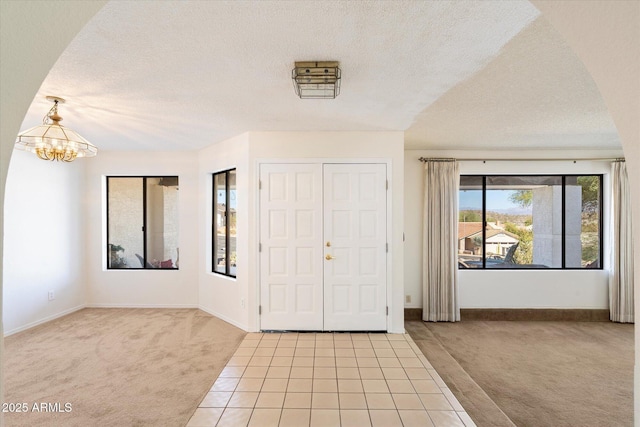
(162,222)
(232,223)
(582,221)
(524,222)
(220,221)
(470,222)
(126,246)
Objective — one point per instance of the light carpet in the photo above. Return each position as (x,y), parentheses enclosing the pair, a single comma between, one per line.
(556,374)
(116,367)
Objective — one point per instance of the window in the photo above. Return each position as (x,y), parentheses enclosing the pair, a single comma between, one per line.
(142,222)
(530,222)
(224,223)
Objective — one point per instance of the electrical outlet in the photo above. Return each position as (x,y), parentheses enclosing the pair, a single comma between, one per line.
(52,296)
(407,299)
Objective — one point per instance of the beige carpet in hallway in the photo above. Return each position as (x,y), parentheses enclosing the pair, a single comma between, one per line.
(556,374)
(117,367)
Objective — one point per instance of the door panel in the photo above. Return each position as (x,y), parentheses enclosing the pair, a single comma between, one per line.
(291,241)
(355,242)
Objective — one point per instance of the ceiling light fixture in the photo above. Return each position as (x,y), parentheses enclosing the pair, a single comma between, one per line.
(52,141)
(313,79)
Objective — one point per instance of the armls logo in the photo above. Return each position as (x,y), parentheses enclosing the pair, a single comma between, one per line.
(51,407)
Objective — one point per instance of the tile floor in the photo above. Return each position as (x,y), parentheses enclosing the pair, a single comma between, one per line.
(326,380)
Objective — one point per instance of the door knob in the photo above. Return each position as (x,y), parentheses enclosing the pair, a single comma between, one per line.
(328,257)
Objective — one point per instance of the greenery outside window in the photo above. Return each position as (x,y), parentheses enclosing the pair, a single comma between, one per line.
(142,222)
(224,223)
(530,222)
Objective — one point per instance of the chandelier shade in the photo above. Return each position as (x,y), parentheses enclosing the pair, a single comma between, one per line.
(52,141)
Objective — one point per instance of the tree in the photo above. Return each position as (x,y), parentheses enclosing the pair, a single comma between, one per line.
(523,198)
(590,193)
(590,217)
(524,253)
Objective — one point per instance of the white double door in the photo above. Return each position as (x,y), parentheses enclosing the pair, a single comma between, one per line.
(323,247)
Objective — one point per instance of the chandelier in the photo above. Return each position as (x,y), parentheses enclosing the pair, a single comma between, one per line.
(52,141)
(316,79)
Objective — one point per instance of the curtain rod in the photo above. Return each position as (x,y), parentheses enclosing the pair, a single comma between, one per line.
(433,159)
(591,159)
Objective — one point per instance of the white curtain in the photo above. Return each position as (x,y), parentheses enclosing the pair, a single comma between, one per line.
(621,278)
(440,240)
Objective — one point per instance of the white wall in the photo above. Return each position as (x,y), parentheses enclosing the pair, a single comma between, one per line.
(23,26)
(383,146)
(43,246)
(141,288)
(222,296)
(507,288)
(236,300)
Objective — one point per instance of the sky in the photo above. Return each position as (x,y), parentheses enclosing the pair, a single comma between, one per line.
(497,200)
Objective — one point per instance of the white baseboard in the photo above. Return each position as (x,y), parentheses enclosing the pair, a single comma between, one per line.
(226,319)
(44,320)
(142,306)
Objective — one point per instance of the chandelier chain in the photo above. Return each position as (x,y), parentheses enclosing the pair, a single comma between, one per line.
(46,120)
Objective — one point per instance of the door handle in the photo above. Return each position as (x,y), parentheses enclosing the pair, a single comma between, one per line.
(328,257)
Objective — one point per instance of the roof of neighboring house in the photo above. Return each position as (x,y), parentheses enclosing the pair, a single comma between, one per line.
(492,233)
(470,229)
(467,229)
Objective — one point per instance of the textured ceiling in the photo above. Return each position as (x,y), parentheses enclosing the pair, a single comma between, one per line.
(535,94)
(181,75)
